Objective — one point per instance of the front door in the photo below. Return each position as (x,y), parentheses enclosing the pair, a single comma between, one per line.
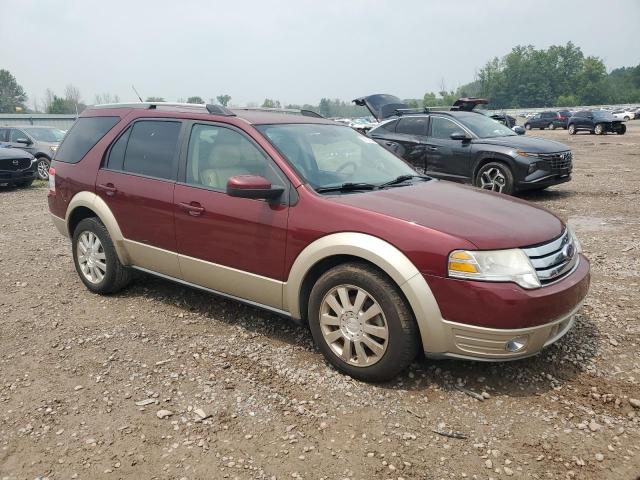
(19,139)
(232,245)
(137,184)
(447,158)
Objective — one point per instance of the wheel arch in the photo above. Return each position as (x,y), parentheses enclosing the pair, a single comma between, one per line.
(492,157)
(88,204)
(338,248)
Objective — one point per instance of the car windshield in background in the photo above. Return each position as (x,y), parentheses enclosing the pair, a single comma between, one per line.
(485,127)
(51,135)
(330,155)
(603,115)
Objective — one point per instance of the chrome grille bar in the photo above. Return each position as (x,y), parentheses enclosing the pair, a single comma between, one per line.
(554,259)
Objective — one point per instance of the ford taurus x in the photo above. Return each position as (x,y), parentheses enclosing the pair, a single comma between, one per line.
(312,220)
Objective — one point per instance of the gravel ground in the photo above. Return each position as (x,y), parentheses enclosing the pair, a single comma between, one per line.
(161,381)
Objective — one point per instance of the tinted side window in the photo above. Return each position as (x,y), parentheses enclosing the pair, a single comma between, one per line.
(151,149)
(412,126)
(84,134)
(216,154)
(116,154)
(16,134)
(387,127)
(443,128)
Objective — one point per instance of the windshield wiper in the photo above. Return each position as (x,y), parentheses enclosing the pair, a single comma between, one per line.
(402,179)
(347,187)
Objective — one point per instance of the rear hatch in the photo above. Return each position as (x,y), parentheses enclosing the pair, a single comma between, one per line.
(467,104)
(383,105)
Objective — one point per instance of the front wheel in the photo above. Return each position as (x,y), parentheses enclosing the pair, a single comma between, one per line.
(599,130)
(552,126)
(627,118)
(572,129)
(527,126)
(496,177)
(95,258)
(361,323)
(622,130)
(43,168)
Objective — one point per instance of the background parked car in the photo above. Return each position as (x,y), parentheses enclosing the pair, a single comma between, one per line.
(17,167)
(41,142)
(625,114)
(596,121)
(542,120)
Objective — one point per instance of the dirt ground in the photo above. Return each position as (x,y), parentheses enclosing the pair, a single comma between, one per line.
(83,377)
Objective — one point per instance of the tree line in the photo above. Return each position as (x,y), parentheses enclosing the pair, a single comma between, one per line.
(559,76)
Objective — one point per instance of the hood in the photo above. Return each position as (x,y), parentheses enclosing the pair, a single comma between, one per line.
(381,105)
(528,144)
(488,220)
(10,152)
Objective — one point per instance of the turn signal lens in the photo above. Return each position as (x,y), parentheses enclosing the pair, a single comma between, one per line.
(462,267)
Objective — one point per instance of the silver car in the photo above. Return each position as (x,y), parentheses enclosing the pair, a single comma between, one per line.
(41,142)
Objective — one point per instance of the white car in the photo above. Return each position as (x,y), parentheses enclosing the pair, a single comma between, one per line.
(624,114)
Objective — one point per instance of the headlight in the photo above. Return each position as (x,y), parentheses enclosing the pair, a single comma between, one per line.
(494,266)
(574,238)
(522,153)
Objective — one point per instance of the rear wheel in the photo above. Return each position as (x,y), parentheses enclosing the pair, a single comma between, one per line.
(622,130)
(627,118)
(572,129)
(495,176)
(361,323)
(527,126)
(96,260)
(552,126)
(599,130)
(43,168)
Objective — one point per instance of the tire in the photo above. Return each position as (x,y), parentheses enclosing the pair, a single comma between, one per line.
(43,165)
(108,275)
(599,129)
(495,176)
(626,119)
(24,184)
(572,129)
(552,126)
(527,126)
(352,281)
(623,130)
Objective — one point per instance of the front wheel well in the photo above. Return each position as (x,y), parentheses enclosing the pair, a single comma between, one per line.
(484,161)
(317,270)
(77,215)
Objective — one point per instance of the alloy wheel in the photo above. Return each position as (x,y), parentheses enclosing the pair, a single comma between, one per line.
(353,325)
(43,169)
(493,179)
(91,257)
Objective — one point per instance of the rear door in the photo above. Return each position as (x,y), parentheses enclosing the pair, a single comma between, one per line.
(411,137)
(447,158)
(536,120)
(137,183)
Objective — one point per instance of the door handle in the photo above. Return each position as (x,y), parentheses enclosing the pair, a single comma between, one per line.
(109,189)
(194,208)
(432,148)
(389,144)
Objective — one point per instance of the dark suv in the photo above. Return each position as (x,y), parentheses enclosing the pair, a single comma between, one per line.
(550,120)
(315,221)
(599,122)
(17,167)
(465,146)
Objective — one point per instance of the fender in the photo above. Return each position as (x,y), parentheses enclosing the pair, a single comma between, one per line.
(386,257)
(494,156)
(94,203)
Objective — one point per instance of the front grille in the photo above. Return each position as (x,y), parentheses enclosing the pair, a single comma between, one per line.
(561,161)
(14,164)
(553,260)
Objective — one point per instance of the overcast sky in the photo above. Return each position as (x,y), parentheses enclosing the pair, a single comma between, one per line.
(296,51)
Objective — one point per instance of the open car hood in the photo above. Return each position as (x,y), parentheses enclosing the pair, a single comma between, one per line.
(381,105)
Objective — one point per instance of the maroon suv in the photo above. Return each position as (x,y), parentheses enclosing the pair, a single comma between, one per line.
(310,219)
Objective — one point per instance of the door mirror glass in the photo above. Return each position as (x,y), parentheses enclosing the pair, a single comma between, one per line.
(518,129)
(459,136)
(252,186)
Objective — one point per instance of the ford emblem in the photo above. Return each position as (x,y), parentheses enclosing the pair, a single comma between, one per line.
(568,250)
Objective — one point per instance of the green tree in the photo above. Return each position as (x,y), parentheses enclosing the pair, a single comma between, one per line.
(223,99)
(12,95)
(61,105)
(195,99)
(268,103)
(567,101)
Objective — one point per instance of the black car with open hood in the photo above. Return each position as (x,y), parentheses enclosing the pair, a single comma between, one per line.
(459,144)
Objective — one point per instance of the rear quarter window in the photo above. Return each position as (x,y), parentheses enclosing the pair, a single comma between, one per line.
(85,133)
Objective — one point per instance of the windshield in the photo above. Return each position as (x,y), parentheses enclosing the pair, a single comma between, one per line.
(50,135)
(331,155)
(485,127)
(603,115)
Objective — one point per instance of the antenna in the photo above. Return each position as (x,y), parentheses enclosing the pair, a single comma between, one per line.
(137,94)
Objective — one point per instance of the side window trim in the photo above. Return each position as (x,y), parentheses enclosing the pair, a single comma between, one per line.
(176,157)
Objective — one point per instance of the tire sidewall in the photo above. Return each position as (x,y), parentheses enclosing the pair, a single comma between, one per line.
(96,227)
(527,126)
(38,161)
(599,129)
(572,129)
(397,341)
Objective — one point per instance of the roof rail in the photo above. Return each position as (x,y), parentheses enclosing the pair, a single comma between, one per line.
(286,111)
(198,107)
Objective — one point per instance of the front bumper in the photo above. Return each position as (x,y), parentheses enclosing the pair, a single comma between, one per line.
(479,319)
(7,176)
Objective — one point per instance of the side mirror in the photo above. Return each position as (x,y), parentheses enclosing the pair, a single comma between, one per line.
(23,140)
(518,129)
(460,136)
(252,186)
